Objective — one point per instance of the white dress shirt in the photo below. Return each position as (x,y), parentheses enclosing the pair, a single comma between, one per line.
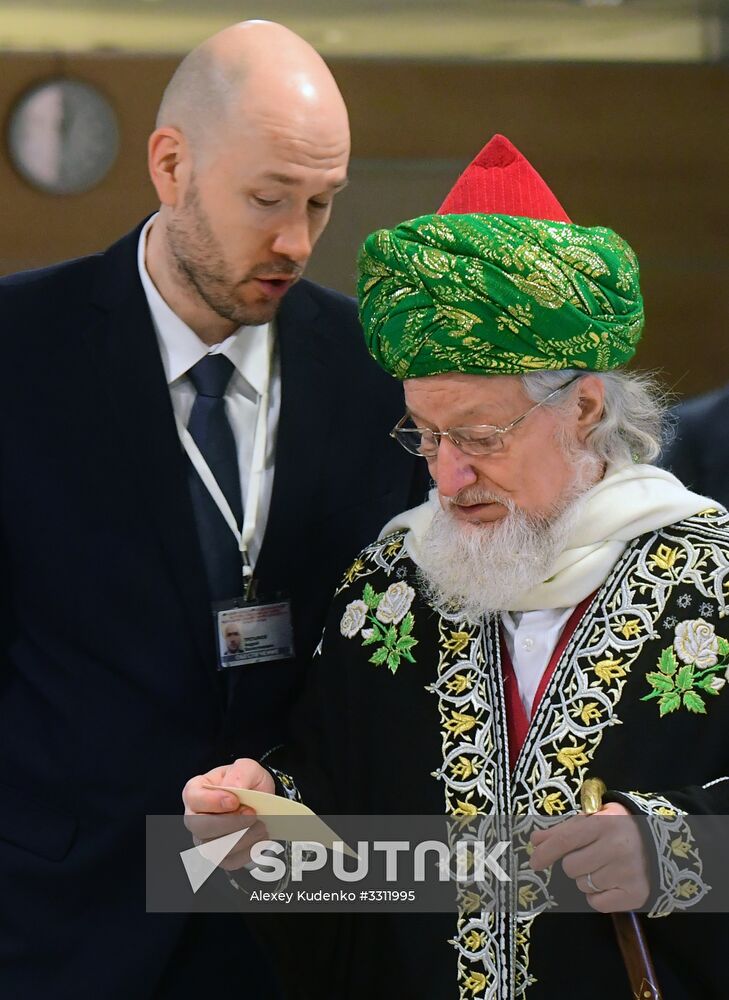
(531,638)
(248,349)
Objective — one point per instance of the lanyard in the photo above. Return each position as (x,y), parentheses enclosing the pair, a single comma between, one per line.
(258,467)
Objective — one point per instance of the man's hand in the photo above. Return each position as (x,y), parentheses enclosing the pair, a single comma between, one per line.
(608,848)
(242,773)
(210,814)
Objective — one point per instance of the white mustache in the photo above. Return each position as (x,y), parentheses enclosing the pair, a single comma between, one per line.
(474,494)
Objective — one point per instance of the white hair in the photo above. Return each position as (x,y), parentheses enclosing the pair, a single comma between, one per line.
(633,422)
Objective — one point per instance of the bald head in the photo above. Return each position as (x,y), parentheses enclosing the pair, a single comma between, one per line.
(250,149)
(232,637)
(246,75)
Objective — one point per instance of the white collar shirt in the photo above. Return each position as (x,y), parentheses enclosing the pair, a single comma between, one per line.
(248,350)
(531,638)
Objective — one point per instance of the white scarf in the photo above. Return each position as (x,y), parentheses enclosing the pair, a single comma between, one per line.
(629,501)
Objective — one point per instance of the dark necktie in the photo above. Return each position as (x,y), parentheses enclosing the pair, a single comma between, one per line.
(213,435)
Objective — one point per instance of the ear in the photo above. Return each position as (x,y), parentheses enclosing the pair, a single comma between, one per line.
(168,162)
(591,403)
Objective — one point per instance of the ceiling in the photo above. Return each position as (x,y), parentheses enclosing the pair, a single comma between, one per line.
(644,30)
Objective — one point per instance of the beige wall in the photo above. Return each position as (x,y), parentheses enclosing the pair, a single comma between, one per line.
(644,149)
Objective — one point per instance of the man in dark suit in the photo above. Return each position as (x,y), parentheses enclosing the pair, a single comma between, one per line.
(699,452)
(107,529)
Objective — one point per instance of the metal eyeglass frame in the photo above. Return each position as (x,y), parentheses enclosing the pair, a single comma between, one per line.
(495,433)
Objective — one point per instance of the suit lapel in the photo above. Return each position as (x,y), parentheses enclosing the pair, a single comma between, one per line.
(130,368)
(306,403)
(125,352)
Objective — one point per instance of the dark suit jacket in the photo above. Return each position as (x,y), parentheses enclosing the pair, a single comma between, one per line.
(699,453)
(109,697)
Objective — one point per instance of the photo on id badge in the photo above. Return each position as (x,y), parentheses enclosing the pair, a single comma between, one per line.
(254,633)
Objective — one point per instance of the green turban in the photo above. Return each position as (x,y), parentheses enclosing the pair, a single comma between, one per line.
(498,295)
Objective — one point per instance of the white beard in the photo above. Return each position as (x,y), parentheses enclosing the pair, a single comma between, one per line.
(480,570)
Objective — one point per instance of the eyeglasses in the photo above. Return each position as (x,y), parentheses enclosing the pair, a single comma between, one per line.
(481,439)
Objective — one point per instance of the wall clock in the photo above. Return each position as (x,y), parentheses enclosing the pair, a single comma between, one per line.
(62,136)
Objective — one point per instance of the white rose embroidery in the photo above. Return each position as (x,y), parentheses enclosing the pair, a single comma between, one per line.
(395,603)
(695,642)
(354,617)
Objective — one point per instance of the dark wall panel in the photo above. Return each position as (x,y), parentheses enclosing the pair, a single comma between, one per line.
(644,149)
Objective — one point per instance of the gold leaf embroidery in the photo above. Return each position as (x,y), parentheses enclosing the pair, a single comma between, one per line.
(538,287)
(573,757)
(584,260)
(665,811)
(609,669)
(459,723)
(590,712)
(474,941)
(663,558)
(629,628)
(464,768)
(680,847)
(459,320)
(434,262)
(457,642)
(471,902)
(686,890)
(553,803)
(527,896)
(459,683)
(356,568)
(475,982)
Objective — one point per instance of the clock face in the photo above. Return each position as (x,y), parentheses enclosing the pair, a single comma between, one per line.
(63,136)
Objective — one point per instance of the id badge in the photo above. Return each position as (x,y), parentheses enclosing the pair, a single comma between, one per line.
(253,632)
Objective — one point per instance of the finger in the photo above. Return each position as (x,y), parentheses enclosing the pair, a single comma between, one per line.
(610,901)
(613,809)
(242,810)
(587,859)
(542,833)
(630,881)
(206,826)
(199,799)
(242,773)
(618,845)
(561,839)
(247,773)
(600,880)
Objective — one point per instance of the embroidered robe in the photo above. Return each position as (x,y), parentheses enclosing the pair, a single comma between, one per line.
(406,714)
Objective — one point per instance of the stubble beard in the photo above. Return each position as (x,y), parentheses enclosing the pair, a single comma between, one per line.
(199,264)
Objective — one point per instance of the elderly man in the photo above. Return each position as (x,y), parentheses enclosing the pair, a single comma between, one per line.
(556,609)
(191,401)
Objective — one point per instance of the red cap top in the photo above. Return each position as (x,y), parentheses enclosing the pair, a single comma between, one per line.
(501,181)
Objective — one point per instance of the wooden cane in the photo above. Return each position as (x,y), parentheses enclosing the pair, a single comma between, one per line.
(628,928)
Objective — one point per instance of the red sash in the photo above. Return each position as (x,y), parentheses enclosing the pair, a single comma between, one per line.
(516,718)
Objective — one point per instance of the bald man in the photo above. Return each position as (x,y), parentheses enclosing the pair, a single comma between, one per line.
(182,427)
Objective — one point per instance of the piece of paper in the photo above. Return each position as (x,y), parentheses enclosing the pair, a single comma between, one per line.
(272,806)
